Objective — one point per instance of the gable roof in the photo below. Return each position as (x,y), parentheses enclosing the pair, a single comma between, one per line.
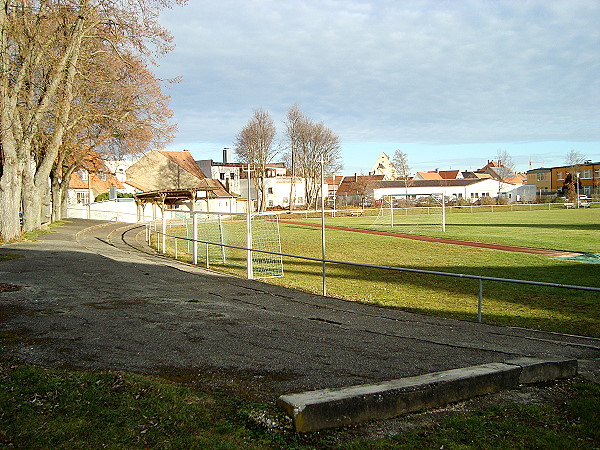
(449,174)
(429,175)
(184,160)
(218,190)
(357,184)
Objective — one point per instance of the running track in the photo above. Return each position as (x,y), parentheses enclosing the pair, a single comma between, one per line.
(507,248)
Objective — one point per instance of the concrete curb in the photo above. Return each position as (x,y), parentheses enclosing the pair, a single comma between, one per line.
(328,408)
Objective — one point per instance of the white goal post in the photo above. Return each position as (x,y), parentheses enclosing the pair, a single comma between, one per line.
(408,217)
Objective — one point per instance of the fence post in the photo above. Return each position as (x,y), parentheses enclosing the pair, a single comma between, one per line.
(479,303)
(175,243)
(207,260)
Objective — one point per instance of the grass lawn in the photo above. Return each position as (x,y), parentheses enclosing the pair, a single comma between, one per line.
(551,309)
(59,408)
(576,230)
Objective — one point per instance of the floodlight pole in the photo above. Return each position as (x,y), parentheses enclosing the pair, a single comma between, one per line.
(250,274)
(322,161)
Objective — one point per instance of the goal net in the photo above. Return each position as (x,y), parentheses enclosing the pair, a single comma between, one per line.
(397,214)
(225,231)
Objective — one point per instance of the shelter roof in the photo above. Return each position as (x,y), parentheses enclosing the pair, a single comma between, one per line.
(170,196)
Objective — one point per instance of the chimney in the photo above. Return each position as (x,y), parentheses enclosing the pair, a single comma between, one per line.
(355,177)
(226,153)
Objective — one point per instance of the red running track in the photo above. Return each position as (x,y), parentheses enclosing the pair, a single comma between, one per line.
(507,248)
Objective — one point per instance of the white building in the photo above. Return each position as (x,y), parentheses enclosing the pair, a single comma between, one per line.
(384,166)
(470,189)
(227,172)
(278,190)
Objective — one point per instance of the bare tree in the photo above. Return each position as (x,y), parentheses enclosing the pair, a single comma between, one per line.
(294,130)
(317,143)
(254,145)
(42,48)
(574,160)
(400,161)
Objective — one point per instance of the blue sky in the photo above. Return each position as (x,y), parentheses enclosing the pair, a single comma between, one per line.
(448,82)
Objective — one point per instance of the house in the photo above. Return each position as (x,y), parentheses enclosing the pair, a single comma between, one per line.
(384,166)
(427,176)
(439,175)
(468,189)
(450,174)
(357,189)
(227,172)
(541,179)
(164,170)
(500,172)
(88,183)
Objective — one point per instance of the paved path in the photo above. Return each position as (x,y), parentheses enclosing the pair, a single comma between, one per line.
(90,299)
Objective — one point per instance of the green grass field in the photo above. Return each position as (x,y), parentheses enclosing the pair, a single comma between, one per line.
(551,309)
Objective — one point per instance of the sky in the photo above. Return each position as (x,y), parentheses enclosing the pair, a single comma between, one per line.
(449,82)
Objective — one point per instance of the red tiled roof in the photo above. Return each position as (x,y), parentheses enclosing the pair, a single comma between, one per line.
(185,161)
(449,174)
(98,185)
(430,175)
(356,184)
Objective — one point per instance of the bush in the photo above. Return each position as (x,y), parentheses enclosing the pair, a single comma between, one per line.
(106,196)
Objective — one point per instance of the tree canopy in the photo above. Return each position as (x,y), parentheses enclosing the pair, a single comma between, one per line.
(74,78)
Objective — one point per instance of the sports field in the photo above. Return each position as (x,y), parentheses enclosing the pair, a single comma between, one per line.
(551,309)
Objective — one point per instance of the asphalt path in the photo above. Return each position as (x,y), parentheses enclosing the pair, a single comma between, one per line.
(91,297)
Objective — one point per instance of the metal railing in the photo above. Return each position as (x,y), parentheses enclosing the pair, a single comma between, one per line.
(480,278)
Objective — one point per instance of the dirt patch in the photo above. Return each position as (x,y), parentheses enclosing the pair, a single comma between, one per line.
(5,287)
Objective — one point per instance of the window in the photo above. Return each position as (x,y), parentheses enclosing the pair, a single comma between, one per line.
(587,174)
(269,190)
(560,175)
(542,176)
(222,176)
(285,199)
(83,174)
(597,173)
(232,175)
(102,176)
(270,202)
(82,197)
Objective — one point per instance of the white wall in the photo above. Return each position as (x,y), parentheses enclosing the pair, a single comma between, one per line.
(472,192)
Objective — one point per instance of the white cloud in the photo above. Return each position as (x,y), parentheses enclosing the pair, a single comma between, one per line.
(404,71)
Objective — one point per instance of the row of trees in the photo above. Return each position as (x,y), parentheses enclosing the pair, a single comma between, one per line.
(305,144)
(74,84)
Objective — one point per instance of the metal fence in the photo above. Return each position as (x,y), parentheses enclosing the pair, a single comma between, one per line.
(161,247)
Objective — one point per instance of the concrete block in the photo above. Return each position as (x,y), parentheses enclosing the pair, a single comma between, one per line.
(534,370)
(327,408)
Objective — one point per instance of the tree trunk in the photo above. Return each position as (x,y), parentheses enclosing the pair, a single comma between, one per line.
(10,199)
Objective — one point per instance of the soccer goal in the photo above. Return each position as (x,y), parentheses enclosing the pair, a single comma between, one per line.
(228,236)
(428,213)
